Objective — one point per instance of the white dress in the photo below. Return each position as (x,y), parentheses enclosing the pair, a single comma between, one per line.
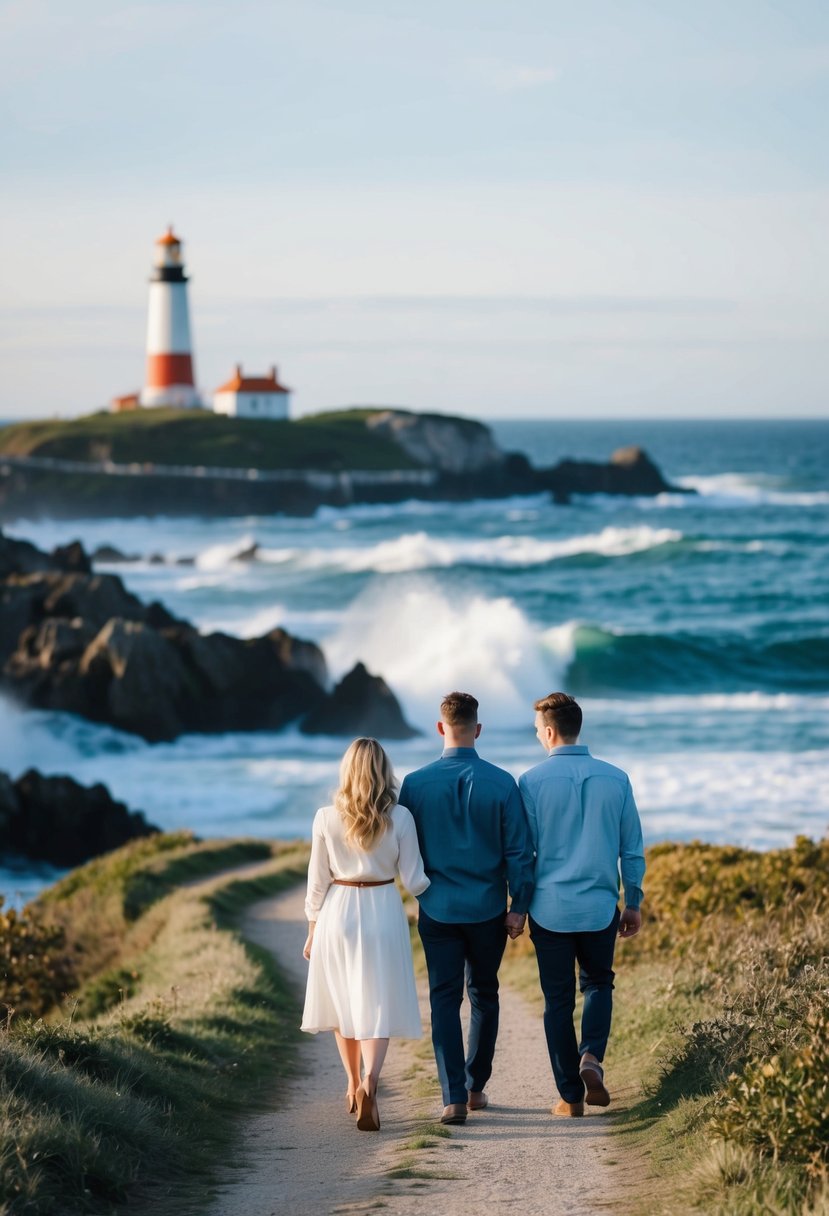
(361,976)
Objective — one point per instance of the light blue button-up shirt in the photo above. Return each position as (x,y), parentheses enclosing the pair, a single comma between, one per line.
(473,837)
(584,824)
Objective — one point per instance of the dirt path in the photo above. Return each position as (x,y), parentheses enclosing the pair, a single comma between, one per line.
(307,1158)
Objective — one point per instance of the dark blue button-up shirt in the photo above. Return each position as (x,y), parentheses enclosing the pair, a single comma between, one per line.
(473,837)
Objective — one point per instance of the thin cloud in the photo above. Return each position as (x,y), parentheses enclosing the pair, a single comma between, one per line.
(508,79)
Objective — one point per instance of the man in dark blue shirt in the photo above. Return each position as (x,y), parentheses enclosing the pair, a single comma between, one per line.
(475,844)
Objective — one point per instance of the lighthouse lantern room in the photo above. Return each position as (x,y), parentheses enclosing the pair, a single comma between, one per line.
(169,349)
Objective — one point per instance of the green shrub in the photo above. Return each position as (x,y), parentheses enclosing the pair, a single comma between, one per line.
(692,889)
(35,971)
(780,1105)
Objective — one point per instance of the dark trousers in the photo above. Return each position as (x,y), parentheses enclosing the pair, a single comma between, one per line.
(557,955)
(453,953)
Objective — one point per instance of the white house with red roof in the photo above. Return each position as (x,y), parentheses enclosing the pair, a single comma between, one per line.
(252,396)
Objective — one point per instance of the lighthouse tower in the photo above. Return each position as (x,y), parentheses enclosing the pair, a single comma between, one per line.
(169,351)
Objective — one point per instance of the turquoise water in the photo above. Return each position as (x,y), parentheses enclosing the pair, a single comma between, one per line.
(693,628)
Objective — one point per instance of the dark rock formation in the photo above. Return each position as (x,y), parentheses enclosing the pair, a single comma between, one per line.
(81,643)
(630,471)
(57,820)
(361,704)
(21,557)
(112,556)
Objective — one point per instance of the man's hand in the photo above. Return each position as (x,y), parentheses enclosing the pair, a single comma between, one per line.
(630,922)
(309,941)
(515,924)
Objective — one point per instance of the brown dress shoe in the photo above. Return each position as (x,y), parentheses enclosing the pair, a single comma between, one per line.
(593,1076)
(479,1100)
(573,1110)
(455,1112)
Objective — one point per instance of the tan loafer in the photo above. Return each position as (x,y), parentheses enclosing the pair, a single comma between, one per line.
(455,1112)
(571,1110)
(478,1100)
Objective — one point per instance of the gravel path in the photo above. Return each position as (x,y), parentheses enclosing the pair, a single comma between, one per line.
(306,1158)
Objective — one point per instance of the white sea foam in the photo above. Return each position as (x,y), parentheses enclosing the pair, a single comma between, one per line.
(728,489)
(217,557)
(754,702)
(756,800)
(414,508)
(414,551)
(251,625)
(425,643)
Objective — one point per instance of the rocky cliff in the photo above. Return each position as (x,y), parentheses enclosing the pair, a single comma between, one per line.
(429,456)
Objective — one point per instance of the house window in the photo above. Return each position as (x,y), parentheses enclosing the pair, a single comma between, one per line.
(254,404)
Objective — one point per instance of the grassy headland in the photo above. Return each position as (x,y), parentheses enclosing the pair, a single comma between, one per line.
(719,1056)
(330,441)
(127,1093)
(720,1047)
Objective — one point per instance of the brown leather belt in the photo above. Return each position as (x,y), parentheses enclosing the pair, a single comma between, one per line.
(350,882)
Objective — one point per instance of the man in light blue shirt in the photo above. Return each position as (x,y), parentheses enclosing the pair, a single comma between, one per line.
(475,845)
(584,824)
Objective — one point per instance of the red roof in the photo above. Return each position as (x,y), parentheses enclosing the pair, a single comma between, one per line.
(169,237)
(253,384)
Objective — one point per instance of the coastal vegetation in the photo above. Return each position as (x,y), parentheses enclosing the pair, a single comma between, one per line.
(719,1055)
(331,441)
(125,1090)
(719,1059)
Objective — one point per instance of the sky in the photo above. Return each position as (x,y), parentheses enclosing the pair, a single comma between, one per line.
(501,208)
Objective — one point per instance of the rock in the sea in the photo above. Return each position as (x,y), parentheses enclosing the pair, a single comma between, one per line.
(57,820)
(361,704)
(21,557)
(112,556)
(133,678)
(9,808)
(72,557)
(81,643)
(630,471)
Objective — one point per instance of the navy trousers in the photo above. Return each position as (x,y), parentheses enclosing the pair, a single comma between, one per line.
(454,953)
(557,955)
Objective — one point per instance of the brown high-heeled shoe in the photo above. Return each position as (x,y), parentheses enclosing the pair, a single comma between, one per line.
(368,1116)
(351,1103)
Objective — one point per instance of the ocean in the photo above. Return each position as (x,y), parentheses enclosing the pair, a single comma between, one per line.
(694,629)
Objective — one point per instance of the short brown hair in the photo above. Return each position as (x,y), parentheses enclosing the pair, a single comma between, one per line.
(562,711)
(459,709)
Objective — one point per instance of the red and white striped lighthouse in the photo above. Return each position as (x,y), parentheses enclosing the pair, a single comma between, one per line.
(169,351)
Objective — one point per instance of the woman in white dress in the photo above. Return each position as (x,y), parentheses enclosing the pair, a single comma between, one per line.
(361,978)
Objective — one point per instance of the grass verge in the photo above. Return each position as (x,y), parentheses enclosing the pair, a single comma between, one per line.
(136,1103)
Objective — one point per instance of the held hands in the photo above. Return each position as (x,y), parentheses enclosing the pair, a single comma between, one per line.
(630,922)
(515,924)
(309,941)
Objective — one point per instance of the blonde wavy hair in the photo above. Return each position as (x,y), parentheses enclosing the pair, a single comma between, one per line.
(367,792)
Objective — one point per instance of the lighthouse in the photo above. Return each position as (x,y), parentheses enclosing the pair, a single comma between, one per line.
(169,350)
